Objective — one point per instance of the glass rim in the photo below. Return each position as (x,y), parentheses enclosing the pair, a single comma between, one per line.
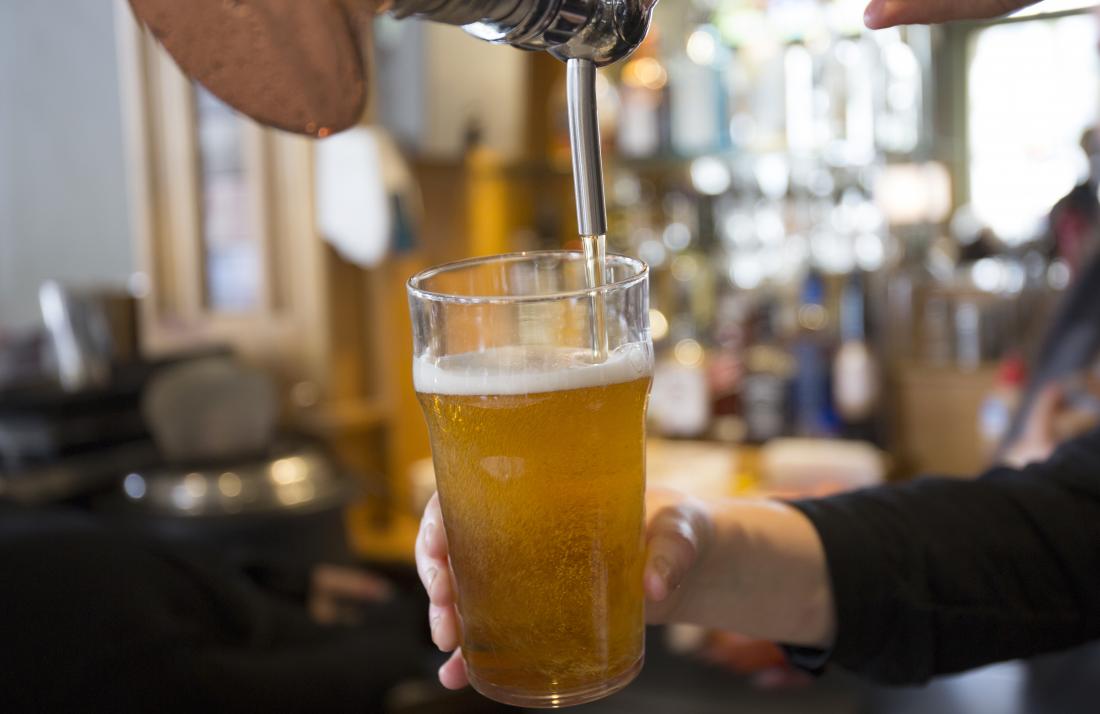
(414,289)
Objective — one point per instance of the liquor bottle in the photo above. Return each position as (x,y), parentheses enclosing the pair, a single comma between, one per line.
(899,101)
(855,369)
(697,106)
(767,385)
(643,104)
(680,402)
(802,132)
(847,77)
(726,368)
(813,412)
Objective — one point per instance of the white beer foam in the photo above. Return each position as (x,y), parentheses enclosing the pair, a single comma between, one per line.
(529,370)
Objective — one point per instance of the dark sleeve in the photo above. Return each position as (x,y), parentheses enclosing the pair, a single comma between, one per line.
(941,575)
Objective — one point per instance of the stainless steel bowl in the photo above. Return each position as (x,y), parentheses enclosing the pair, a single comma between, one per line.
(292,479)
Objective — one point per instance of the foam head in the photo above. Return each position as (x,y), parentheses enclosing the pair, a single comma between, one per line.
(529,370)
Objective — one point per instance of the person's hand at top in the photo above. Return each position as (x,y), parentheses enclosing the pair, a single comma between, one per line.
(890,13)
(754,567)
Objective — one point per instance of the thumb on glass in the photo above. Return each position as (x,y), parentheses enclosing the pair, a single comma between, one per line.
(675,538)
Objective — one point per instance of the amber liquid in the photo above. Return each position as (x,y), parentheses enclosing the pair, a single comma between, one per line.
(542,495)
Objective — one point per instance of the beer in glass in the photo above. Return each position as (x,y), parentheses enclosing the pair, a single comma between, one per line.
(536,413)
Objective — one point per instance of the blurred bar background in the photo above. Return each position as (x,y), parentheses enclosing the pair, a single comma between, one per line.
(857,241)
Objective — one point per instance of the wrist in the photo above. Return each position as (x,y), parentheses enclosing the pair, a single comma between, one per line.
(771,565)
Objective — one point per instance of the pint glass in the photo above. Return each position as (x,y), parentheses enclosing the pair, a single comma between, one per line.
(534,389)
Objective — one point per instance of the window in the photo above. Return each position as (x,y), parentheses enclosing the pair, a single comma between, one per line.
(231,238)
(1033,90)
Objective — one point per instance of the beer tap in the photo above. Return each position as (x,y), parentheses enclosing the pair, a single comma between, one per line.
(299,65)
(602,31)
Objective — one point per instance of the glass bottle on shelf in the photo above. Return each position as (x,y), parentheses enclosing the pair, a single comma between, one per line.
(767,385)
(813,410)
(697,99)
(798,81)
(643,104)
(725,363)
(855,368)
(899,100)
(847,80)
(680,403)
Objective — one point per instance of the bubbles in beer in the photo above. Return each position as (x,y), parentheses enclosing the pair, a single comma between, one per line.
(541,479)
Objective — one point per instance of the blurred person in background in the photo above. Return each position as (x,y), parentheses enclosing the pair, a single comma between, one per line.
(1074,222)
(1057,401)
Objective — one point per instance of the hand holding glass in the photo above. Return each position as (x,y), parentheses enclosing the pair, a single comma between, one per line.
(538,441)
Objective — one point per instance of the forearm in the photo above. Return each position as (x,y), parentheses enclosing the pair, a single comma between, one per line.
(941,575)
(762,574)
